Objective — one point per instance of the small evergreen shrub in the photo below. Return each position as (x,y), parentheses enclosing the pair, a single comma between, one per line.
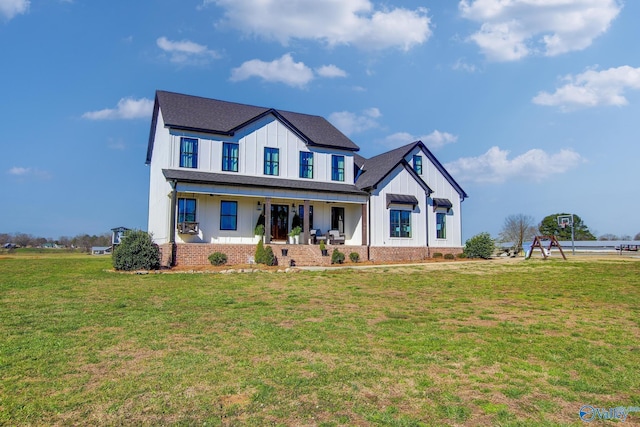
(479,246)
(337,257)
(269,257)
(462,255)
(354,257)
(437,255)
(259,231)
(217,258)
(449,256)
(323,247)
(136,252)
(259,257)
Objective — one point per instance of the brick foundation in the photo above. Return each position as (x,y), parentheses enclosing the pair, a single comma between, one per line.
(193,254)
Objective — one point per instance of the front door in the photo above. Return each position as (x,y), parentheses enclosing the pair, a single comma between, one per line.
(279,222)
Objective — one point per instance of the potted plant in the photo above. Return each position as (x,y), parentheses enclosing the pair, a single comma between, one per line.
(323,248)
(294,235)
(259,232)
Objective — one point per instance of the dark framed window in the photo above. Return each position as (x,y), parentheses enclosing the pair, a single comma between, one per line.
(230,152)
(400,221)
(228,215)
(271,161)
(301,215)
(337,168)
(441,225)
(188,152)
(186,210)
(417,164)
(337,219)
(306,164)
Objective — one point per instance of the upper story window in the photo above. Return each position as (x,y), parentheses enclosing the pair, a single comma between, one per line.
(186,210)
(271,161)
(400,221)
(417,164)
(228,215)
(306,164)
(188,152)
(337,168)
(230,152)
(441,225)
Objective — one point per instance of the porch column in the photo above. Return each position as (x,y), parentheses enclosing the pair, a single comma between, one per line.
(305,220)
(172,222)
(267,220)
(365,224)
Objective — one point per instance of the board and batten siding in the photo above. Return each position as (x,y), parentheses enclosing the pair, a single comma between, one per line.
(252,140)
(159,188)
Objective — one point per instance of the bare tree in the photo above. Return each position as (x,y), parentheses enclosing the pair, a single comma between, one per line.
(637,237)
(517,229)
(608,236)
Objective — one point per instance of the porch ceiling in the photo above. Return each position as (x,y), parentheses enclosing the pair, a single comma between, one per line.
(198,177)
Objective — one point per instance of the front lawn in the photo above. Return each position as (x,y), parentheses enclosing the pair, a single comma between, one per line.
(479,343)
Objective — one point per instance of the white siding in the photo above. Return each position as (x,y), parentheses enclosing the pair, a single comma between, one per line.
(159,188)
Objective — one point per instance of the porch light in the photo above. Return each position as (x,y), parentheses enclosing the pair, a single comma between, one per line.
(259,206)
(293,205)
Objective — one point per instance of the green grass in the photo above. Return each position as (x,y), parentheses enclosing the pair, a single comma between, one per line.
(481,343)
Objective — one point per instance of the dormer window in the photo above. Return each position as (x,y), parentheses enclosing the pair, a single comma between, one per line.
(188,152)
(417,164)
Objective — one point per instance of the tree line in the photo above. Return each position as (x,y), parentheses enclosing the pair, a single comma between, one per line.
(520,228)
(83,242)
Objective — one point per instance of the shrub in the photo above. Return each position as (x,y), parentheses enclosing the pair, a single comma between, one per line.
(136,252)
(323,247)
(462,255)
(449,256)
(217,258)
(259,257)
(437,255)
(354,257)
(337,257)
(269,257)
(479,246)
(259,231)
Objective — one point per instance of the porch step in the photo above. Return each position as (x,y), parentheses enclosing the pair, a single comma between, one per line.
(300,255)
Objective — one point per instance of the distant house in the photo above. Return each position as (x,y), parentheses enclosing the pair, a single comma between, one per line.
(101,250)
(219,168)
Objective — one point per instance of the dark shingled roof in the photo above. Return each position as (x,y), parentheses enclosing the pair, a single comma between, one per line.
(197,177)
(378,167)
(195,113)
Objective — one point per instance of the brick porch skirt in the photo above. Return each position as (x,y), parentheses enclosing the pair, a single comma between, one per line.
(193,254)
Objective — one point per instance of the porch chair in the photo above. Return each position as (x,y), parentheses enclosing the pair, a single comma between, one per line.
(335,238)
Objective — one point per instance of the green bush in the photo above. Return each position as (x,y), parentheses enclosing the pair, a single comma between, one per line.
(217,258)
(337,257)
(437,255)
(354,257)
(449,256)
(136,252)
(269,257)
(479,246)
(259,231)
(259,257)
(322,245)
(462,255)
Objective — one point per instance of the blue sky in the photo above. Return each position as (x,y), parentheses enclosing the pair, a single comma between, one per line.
(532,105)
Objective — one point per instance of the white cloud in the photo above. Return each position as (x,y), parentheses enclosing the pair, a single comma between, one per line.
(434,140)
(330,71)
(334,22)
(513,29)
(10,8)
(350,123)
(494,166)
(29,173)
(281,70)
(127,108)
(185,51)
(116,144)
(461,65)
(593,88)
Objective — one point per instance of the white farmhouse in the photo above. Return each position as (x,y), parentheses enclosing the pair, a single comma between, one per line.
(218,169)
